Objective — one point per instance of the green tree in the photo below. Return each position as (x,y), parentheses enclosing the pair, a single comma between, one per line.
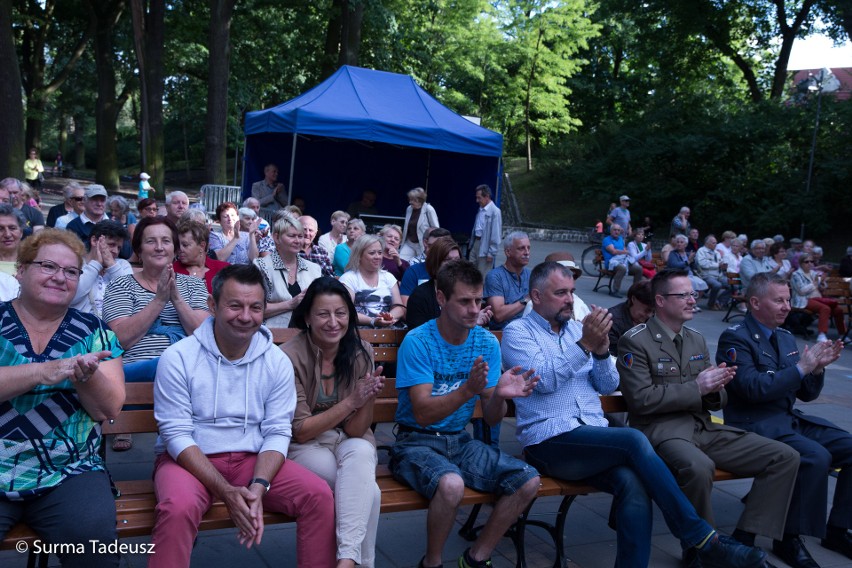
(12,125)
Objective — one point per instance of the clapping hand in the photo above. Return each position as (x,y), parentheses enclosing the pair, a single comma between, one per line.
(78,369)
(368,388)
(714,379)
(596,328)
(478,377)
(513,383)
(485,315)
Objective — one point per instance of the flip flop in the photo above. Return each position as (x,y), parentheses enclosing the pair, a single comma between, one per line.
(122,442)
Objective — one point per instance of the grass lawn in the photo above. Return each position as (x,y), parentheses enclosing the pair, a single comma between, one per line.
(545,198)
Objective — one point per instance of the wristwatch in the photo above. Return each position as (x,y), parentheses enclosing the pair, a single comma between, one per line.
(524,301)
(260,481)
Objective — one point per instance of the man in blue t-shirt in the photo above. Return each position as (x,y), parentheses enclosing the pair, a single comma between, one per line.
(617,259)
(621,215)
(443,367)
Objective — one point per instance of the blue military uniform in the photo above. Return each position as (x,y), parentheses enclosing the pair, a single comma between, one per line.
(761,399)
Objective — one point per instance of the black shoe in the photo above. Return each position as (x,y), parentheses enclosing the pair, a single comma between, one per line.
(742,537)
(792,551)
(728,553)
(690,558)
(838,540)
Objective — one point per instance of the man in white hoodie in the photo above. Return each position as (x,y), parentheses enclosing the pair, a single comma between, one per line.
(224,400)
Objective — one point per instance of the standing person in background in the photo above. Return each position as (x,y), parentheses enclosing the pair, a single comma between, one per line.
(487,231)
(419,216)
(144,186)
(367,205)
(58,164)
(680,223)
(73,203)
(621,215)
(269,191)
(33,169)
(336,235)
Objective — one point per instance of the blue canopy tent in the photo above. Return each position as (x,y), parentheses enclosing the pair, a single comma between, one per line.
(364,129)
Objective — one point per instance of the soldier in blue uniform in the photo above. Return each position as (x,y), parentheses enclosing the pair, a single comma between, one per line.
(771,374)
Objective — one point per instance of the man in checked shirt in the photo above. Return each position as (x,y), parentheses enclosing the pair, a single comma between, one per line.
(565,435)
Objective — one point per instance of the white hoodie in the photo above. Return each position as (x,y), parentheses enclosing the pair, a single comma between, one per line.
(203,399)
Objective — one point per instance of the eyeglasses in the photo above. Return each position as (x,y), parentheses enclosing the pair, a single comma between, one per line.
(807,262)
(683,295)
(77,198)
(51,268)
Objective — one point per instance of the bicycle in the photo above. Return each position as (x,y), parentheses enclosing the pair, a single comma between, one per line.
(587,259)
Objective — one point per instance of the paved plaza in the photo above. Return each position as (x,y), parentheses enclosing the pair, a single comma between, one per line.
(590,543)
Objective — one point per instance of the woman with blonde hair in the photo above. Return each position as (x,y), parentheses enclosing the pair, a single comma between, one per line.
(287,274)
(419,216)
(374,290)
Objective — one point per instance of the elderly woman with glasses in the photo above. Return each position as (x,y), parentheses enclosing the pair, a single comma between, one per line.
(12,224)
(60,377)
(806,285)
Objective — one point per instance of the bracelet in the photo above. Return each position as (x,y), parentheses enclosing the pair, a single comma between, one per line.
(603,357)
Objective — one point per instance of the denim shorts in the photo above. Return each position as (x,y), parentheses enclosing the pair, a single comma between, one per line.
(421,460)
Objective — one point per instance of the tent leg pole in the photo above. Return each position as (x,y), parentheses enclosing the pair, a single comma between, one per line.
(292,170)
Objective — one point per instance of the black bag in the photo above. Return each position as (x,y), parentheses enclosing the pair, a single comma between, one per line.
(798,323)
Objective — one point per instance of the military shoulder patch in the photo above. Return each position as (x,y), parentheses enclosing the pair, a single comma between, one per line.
(735,327)
(782,330)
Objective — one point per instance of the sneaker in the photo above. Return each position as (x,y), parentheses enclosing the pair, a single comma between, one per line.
(465,561)
(728,553)
(821,337)
(695,309)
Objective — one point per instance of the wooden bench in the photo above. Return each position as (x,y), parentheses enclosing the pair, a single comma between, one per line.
(603,272)
(136,501)
(735,285)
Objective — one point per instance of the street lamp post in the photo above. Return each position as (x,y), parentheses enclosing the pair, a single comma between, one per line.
(824,81)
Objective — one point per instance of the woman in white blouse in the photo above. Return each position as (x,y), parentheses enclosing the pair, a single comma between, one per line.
(287,274)
(374,290)
(419,216)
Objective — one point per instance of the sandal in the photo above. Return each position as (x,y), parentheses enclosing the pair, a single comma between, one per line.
(122,442)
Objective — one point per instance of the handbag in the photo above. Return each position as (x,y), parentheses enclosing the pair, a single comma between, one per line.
(40,177)
(649,269)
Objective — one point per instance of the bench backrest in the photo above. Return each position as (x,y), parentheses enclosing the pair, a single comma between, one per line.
(385,343)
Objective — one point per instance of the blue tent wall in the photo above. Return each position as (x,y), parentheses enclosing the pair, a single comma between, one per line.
(365,129)
(331,173)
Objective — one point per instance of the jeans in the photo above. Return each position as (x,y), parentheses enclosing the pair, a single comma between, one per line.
(621,461)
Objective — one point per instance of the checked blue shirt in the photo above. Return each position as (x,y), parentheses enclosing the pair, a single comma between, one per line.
(567,396)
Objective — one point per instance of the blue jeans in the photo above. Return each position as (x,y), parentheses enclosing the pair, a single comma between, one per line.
(140,372)
(421,460)
(622,462)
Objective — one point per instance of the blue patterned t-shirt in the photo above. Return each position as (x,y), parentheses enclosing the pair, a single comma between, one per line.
(424,357)
(46,434)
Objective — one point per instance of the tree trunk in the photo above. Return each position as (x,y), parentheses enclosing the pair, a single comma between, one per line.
(215,141)
(107,14)
(37,87)
(331,54)
(788,36)
(79,160)
(12,151)
(353,16)
(62,134)
(149,40)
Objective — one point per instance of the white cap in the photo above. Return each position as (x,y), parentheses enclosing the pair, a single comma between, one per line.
(144,177)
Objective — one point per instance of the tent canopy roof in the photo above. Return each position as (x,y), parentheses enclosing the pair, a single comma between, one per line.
(376,106)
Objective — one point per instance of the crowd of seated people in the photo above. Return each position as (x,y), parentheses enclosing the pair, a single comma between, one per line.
(130,314)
